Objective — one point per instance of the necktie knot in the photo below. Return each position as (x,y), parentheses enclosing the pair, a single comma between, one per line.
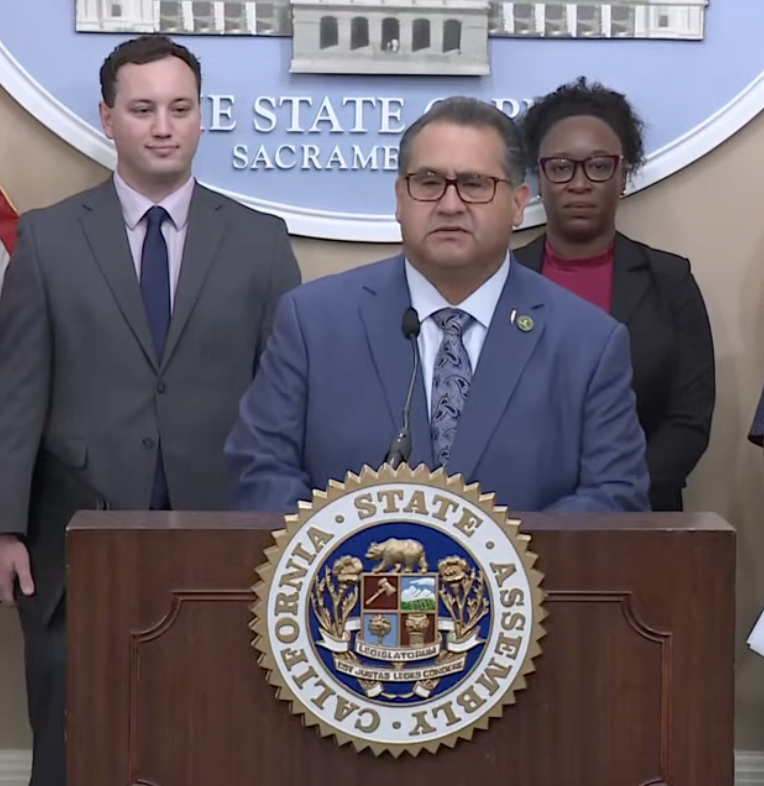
(452,320)
(156,216)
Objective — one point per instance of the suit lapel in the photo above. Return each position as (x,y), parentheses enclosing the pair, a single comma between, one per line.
(382,314)
(631,269)
(206,228)
(532,255)
(505,355)
(631,279)
(104,228)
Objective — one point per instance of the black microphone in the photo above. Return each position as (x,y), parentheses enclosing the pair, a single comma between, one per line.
(400,448)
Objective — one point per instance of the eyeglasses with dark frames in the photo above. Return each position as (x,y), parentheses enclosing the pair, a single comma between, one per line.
(598,169)
(471,189)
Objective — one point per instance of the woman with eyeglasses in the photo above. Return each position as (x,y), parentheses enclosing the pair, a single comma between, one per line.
(584,141)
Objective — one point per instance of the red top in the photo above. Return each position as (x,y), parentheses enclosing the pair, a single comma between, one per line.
(590,278)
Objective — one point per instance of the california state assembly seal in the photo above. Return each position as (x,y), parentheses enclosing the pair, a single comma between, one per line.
(399,611)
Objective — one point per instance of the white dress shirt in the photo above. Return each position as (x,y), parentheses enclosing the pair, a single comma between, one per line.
(480,305)
(134,207)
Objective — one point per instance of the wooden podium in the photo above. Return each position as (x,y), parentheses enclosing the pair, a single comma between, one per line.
(634,685)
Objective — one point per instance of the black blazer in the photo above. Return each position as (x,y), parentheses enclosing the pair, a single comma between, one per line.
(657,298)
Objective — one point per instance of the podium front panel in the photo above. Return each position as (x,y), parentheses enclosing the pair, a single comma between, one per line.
(634,685)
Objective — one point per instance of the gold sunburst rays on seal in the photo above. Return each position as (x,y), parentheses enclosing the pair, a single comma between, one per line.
(290,667)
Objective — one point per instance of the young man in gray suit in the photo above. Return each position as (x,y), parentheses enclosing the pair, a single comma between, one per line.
(132,319)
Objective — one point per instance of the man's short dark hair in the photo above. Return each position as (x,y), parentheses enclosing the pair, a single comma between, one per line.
(469,113)
(139,51)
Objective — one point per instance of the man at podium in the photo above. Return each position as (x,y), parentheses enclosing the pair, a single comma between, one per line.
(477,364)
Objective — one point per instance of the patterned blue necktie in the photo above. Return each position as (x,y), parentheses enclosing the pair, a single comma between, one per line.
(155,278)
(155,286)
(451,380)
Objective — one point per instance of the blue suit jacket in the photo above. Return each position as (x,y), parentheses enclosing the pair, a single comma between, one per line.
(550,422)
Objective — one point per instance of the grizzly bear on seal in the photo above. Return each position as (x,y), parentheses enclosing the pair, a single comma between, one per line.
(402,555)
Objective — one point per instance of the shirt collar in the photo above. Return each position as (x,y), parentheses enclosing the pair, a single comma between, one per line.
(480,305)
(134,205)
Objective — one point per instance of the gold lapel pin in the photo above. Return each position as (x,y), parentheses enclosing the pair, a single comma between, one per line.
(525,324)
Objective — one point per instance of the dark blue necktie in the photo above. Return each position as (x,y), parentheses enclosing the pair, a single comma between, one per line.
(155,278)
(155,286)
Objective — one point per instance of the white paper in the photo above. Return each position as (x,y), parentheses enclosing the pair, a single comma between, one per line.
(756,637)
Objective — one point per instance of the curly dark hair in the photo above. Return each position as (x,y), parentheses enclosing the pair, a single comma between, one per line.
(583,98)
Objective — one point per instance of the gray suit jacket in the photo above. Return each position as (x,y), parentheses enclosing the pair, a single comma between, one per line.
(78,374)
